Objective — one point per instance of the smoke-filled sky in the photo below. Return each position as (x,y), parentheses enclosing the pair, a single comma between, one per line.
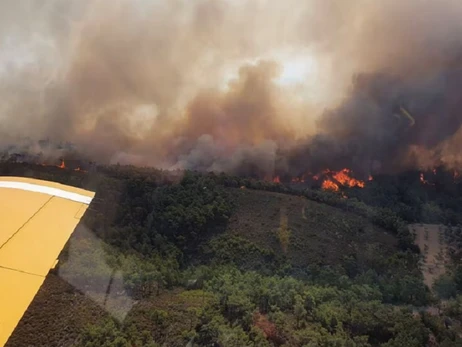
(246,86)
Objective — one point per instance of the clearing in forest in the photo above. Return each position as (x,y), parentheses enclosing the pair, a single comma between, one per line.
(430,239)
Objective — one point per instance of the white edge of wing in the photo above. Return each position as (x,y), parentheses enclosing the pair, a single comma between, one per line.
(46,190)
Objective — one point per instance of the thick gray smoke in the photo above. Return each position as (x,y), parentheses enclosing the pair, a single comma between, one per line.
(253,87)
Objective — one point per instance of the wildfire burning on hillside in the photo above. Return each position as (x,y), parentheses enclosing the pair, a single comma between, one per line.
(62,165)
(422,178)
(433,175)
(277,179)
(301,87)
(329,185)
(330,180)
(343,178)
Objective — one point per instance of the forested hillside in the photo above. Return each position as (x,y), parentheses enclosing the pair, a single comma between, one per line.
(181,258)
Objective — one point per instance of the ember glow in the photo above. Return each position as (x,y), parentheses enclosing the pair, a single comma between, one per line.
(422,178)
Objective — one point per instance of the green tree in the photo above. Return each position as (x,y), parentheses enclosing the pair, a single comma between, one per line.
(458,277)
(105,335)
(299,309)
(445,287)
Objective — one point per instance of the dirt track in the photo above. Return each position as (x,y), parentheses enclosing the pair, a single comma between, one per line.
(430,239)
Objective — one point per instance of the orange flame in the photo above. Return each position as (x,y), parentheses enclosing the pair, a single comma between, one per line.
(329,185)
(331,180)
(62,166)
(422,178)
(323,172)
(343,177)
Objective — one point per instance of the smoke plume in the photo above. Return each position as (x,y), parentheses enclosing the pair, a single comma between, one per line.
(253,87)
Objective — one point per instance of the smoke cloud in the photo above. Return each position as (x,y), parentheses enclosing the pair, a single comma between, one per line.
(251,87)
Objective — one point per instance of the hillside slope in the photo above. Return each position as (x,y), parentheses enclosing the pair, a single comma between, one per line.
(236,267)
(306,232)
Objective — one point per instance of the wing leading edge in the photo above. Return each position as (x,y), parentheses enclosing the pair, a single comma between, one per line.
(36,220)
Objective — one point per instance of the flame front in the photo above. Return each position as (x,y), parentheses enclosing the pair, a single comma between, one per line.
(343,177)
(63,166)
(332,180)
(329,185)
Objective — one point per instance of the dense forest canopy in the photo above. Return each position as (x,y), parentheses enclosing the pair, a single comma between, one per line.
(219,260)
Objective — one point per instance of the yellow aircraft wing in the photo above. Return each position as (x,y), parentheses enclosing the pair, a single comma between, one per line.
(36,220)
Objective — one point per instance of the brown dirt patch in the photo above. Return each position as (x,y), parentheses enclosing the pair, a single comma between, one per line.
(430,239)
